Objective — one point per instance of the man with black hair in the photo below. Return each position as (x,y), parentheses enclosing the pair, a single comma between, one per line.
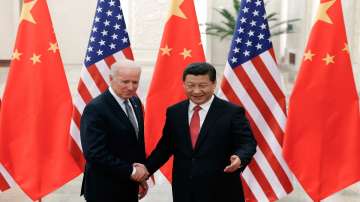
(210,139)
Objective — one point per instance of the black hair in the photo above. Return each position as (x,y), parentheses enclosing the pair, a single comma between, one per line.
(200,68)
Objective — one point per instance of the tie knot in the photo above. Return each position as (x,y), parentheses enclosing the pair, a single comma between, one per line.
(197,108)
(126,102)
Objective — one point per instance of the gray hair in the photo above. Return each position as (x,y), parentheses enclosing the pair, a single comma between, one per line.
(123,64)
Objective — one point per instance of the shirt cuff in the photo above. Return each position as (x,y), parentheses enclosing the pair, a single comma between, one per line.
(133,171)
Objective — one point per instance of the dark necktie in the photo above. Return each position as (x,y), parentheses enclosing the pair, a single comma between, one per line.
(195,125)
(131,117)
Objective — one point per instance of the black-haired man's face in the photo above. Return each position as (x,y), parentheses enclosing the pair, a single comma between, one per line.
(199,89)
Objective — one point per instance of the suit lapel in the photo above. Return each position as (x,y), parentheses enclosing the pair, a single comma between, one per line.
(211,117)
(118,111)
(184,121)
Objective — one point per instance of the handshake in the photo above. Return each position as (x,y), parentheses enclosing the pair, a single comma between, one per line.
(140,175)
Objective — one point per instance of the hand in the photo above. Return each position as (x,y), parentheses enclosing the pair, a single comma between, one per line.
(234,165)
(141,173)
(143,189)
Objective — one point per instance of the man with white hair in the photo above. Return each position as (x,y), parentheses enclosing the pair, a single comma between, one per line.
(112,138)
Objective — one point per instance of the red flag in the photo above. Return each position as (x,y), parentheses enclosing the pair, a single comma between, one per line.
(322,140)
(180,46)
(3,184)
(36,109)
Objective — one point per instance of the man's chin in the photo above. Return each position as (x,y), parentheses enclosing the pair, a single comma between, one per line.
(198,101)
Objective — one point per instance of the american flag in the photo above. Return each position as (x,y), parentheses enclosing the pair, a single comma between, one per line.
(252,79)
(109,42)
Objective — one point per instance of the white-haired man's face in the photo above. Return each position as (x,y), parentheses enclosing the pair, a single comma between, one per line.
(125,82)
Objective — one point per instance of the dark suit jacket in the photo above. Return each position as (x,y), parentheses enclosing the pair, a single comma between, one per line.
(110,148)
(198,174)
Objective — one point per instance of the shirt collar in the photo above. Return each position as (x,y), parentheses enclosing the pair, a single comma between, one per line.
(205,106)
(117,98)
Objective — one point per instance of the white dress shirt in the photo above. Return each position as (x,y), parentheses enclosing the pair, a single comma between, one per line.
(202,112)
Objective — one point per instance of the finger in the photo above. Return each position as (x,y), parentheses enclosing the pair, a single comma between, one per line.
(138,165)
(144,177)
(141,195)
(230,168)
(227,169)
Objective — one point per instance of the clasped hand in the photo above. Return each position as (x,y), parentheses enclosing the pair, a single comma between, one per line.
(140,176)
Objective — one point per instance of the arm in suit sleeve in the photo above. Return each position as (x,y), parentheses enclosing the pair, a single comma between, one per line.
(243,140)
(93,140)
(163,150)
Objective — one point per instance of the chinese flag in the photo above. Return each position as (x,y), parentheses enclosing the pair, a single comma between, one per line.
(322,141)
(36,108)
(180,46)
(3,184)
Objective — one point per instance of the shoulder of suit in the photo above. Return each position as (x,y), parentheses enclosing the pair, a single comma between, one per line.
(98,100)
(228,104)
(178,105)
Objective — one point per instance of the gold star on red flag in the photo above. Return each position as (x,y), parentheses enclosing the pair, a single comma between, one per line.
(308,55)
(176,10)
(42,74)
(323,12)
(346,48)
(53,47)
(186,53)
(166,50)
(26,12)
(16,55)
(328,59)
(35,58)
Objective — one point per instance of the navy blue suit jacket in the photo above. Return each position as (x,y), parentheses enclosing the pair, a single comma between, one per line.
(110,148)
(198,174)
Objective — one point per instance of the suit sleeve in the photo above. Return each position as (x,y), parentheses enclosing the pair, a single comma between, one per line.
(163,150)
(93,140)
(243,139)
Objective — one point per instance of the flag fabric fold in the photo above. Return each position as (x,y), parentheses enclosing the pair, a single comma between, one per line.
(36,108)
(180,46)
(252,79)
(323,130)
(109,42)
(3,184)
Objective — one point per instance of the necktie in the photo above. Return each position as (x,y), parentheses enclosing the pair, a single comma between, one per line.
(195,125)
(131,117)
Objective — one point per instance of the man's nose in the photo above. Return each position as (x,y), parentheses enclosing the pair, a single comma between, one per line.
(131,86)
(196,90)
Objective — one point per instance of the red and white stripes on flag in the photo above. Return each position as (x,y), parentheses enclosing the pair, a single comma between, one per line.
(252,80)
(256,86)
(108,43)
